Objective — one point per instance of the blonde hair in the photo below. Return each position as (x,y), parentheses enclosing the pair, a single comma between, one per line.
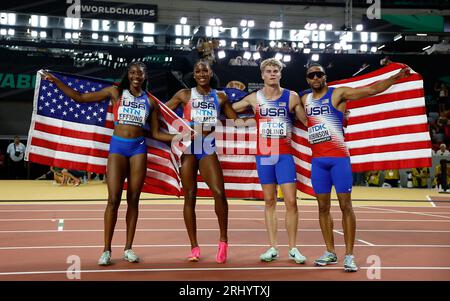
(271,62)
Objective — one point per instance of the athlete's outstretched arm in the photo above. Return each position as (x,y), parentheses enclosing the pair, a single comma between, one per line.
(154,124)
(376,88)
(179,97)
(242,105)
(299,110)
(227,109)
(108,92)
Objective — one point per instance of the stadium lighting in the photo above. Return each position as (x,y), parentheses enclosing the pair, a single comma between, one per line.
(398,37)
(130,39)
(233,43)
(43,34)
(256,56)
(186,42)
(364,36)
(313,26)
(95,36)
(234,32)
(34,21)
(273,24)
(105,38)
(329,27)
(373,36)
(11,19)
(68,23)
(245,44)
(148,39)
(363,47)
(121,26)
(34,33)
(183,20)
(243,23)
(306,50)
(322,26)
(305,41)
(67,35)
(178,41)
(247,55)
(222,43)
(322,46)
(105,25)
(246,33)
(337,46)
(251,23)
(178,30)
(315,57)
(95,25)
(130,26)
(373,49)
(286,58)
(221,54)
(186,30)
(148,28)
(43,20)
(278,56)
(359,27)
(315,45)
(121,38)
(272,44)
(75,35)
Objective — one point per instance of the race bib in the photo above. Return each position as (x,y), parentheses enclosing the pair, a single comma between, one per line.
(131,116)
(318,133)
(204,116)
(273,129)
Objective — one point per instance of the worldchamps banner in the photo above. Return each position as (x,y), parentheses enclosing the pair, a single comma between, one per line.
(106,10)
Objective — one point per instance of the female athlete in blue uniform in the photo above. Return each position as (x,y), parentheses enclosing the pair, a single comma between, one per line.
(128,150)
(201,108)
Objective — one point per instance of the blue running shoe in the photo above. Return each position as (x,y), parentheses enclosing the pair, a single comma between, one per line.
(349,263)
(105,258)
(326,259)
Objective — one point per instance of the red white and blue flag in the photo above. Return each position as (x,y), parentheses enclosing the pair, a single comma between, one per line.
(386,131)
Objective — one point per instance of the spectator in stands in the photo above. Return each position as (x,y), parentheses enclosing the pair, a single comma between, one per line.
(385,61)
(420,177)
(442,91)
(373,178)
(16,151)
(438,173)
(391,177)
(236,62)
(261,47)
(442,151)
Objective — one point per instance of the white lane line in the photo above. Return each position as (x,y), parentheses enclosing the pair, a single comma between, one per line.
(214,230)
(360,240)
(179,210)
(60,224)
(384,220)
(431,201)
(409,212)
(220,269)
(365,242)
(213,246)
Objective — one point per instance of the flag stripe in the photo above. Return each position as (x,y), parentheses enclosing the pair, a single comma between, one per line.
(389,131)
(69,164)
(400,111)
(383,99)
(390,147)
(391,164)
(69,148)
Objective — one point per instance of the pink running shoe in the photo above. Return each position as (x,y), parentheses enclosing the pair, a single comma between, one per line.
(195,254)
(221,256)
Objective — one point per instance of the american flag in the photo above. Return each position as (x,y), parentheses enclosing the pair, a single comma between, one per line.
(386,131)
(68,134)
(73,135)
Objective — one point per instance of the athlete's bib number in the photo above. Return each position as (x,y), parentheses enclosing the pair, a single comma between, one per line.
(318,133)
(204,116)
(273,129)
(131,116)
